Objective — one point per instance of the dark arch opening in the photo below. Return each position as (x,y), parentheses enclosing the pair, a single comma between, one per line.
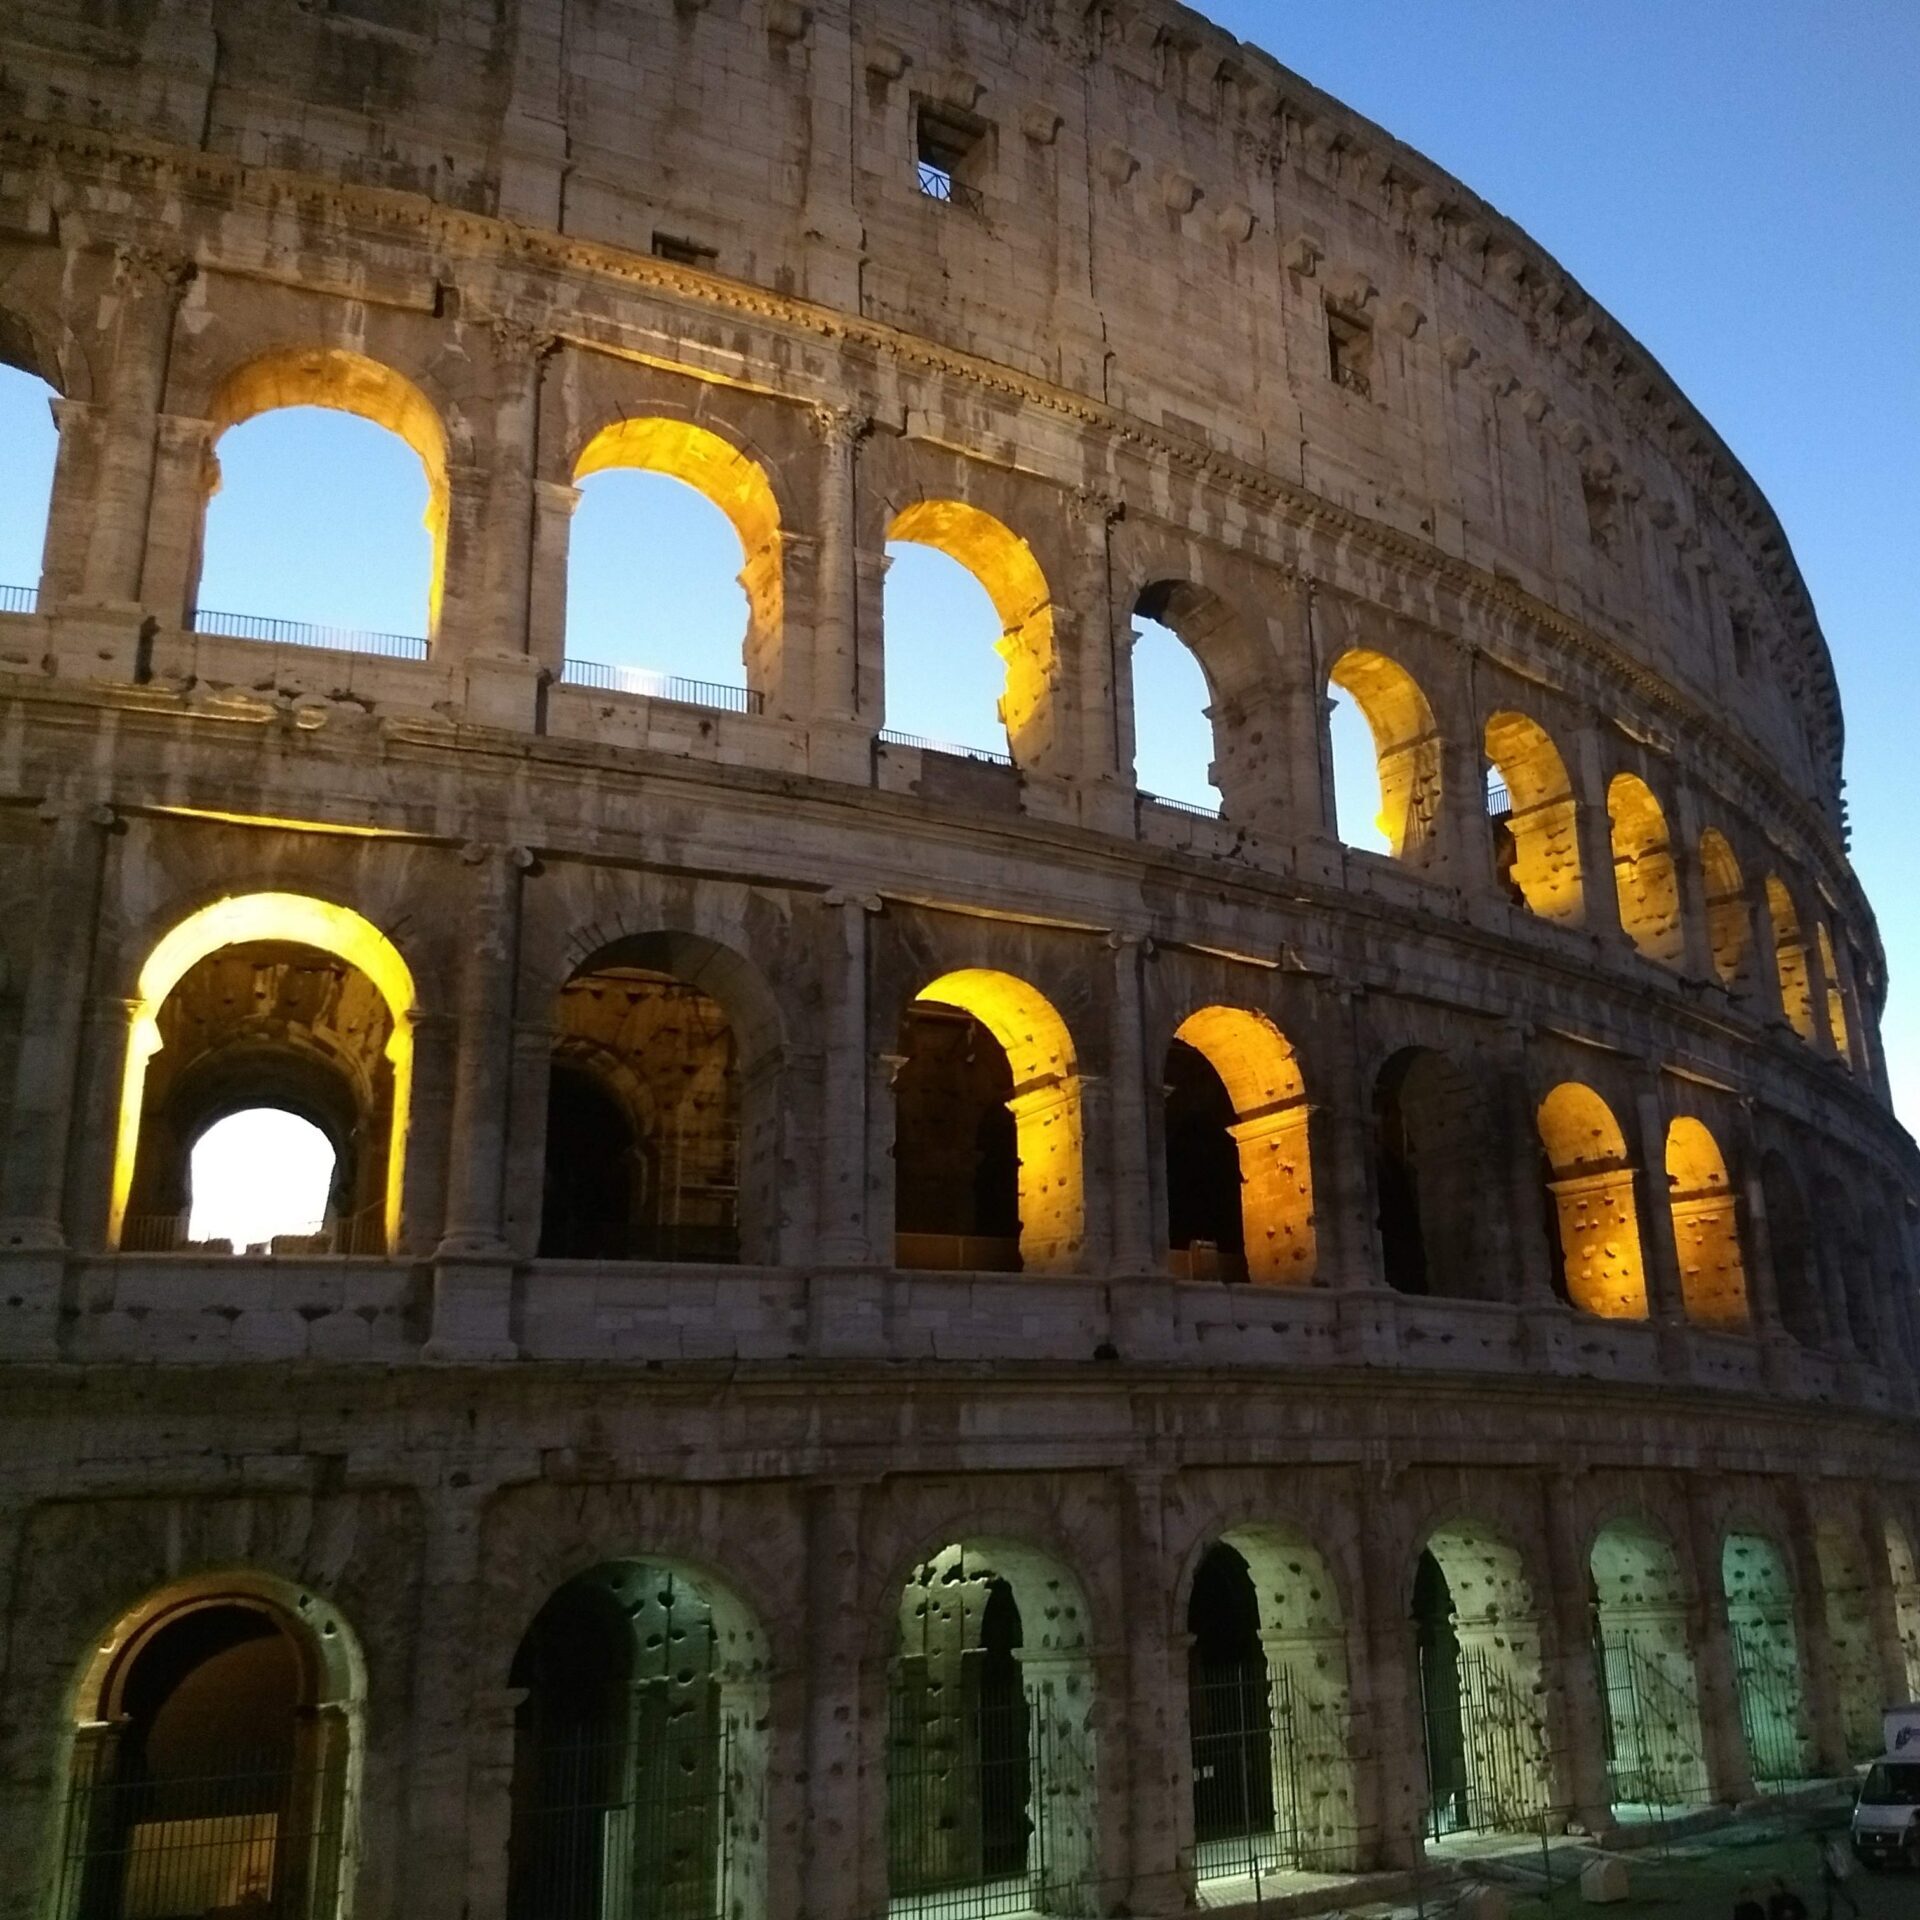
(1206,1229)
(1794,1269)
(1230,1709)
(1429,1159)
(1438,1644)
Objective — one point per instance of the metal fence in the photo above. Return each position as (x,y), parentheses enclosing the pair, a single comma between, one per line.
(938,183)
(1485,1763)
(651,685)
(1193,807)
(19,599)
(353,1236)
(1654,1742)
(1770,1720)
(889,738)
(264,1841)
(306,633)
(634,1829)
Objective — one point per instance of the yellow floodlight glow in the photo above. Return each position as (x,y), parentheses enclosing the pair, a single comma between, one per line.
(240,920)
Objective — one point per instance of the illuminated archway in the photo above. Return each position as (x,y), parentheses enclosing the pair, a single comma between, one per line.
(1261,1077)
(240,919)
(1790,968)
(1044,1102)
(1007,569)
(734,483)
(1729,924)
(1406,749)
(1836,998)
(1592,1187)
(1643,871)
(1706,1228)
(1766,1658)
(1536,841)
(1905,1576)
(348,383)
(1852,1659)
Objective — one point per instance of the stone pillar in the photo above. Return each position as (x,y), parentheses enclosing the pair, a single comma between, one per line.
(76,469)
(1767,996)
(1077,1834)
(1340,1130)
(1159,1807)
(1096,644)
(1594,830)
(1729,1767)
(845,1212)
(473,1264)
(1683,839)
(1129,1180)
(844,1867)
(1301,677)
(1579,1726)
(520,355)
(1666,1291)
(554,502)
(1534,1280)
(1817,984)
(185,473)
(1389,1742)
(488,1804)
(834,683)
(1826,1720)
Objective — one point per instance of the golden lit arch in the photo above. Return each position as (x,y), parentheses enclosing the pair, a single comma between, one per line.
(1545,842)
(1006,567)
(1836,999)
(1729,930)
(1406,745)
(735,483)
(1643,870)
(1592,1187)
(1045,1107)
(1790,958)
(349,383)
(1706,1230)
(1257,1067)
(238,920)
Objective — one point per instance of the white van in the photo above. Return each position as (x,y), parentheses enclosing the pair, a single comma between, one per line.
(1886,1817)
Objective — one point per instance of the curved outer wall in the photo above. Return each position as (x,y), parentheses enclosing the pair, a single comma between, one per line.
(1119,349)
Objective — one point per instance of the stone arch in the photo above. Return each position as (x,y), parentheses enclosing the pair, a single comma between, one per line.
(1706,1227)
(991,1766)
(36,340)
(1758,1589)
(215,1754)
(1042,1094)
(1790,970)
(1483,1682)
(640,1747)
(733,480)
(1729,921)
(1536,838)
(1269,1708)
(1904,1574)
(1407,750)
(1236,668)
(1643,870)
(1429,1160)
(345,382)
(1796,1278)
(1006,566)
(1591,1180)
(1258,1071)
(1836,997)
(1655,1746)
(663,1108)
(1846,1588)
(271,921)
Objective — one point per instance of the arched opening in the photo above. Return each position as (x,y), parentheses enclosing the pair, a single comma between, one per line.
(1643,871)
(1268,1706)
(1852,1661)
(1530,809)
(674,566)
(1790,970)
(1847,1256)
(1795,1274)
(31,438)
(990,1763)
(1405,755)
(1591,1181)
(1478,1640)
(1430,1168)
(213,1760)
(259,1177)
(1174,756)
(1836,999)
(639,1752)
(1239,1173)
(987,1130)
(939,691)
(1655,1747)
(1729,923)
(326,564)
(267,1001)
(662,1115)
(1904,1573)
(1706,1228)
(1766,1658)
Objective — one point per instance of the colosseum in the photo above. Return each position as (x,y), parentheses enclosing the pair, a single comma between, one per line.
(903,1331)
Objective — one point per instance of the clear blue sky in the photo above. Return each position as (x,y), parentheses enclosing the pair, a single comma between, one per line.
(1732,178)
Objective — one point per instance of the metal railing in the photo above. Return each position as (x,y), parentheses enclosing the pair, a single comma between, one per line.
(19,599)
(1193,807)
(1770,1719)
(360,1236)
(938,183)
(1486,1751)
(263,1840)
(1499,800)
(651,685)
(1654,1742)
(889,738)
(306,633)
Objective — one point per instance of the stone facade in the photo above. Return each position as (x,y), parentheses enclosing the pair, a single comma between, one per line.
(1180,337)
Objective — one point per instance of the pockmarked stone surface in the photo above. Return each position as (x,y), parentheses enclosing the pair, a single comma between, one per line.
(896,1329)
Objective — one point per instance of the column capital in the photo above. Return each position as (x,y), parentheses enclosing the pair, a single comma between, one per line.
(519,341)
(478,852)
(153,269)
(839,428)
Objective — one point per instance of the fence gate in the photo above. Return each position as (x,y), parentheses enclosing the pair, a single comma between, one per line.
(1770,1719)
(1654,1756)
(1483,1749)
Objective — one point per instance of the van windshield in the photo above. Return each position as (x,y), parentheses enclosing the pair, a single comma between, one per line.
(1893,1786)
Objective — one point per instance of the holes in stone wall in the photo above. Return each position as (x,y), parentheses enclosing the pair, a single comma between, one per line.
(1536,845)
(1643,871)
(1598,1223)
(1706,1228)
(1766,1659)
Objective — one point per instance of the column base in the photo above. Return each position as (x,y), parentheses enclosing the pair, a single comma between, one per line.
(503,690)
(472,1307)
(33,1280)
(847,1313)
(97,642)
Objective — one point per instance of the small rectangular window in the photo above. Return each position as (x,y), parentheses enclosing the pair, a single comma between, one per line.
(683,253)
(1350,352)
(1742,643)
(950,150)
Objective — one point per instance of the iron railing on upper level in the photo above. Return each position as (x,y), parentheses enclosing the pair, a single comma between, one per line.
(890,738)
(1499,800)
(938,183)
(1193,807)
(651,685)
(19,599)
(306,633)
